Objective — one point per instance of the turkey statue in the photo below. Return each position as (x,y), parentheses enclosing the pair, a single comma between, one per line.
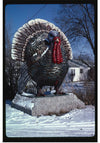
(44,51)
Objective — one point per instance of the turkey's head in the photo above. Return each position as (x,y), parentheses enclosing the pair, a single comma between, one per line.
(54,41)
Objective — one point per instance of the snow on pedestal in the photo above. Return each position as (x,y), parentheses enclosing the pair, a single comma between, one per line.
(49,105)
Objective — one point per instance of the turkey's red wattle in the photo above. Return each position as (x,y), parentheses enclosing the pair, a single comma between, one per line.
(57,55)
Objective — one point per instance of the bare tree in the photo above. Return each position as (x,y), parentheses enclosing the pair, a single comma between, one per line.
(11,72)
(77,21)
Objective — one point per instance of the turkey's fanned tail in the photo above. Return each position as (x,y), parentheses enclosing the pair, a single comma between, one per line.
(30,30)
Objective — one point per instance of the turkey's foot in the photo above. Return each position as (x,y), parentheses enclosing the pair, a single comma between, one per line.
(40,95)
(60,92)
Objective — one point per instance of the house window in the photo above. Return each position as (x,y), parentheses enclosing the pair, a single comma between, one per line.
(81,70)
(72,71)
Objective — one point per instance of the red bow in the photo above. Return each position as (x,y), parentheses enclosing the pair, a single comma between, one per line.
(57,55)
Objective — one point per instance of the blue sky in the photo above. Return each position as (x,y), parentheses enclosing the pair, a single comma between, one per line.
(18,14)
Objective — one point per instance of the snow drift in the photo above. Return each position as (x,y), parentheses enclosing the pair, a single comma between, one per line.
(76,123)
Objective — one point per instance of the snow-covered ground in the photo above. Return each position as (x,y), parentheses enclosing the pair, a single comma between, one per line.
(78,86)
(77,123)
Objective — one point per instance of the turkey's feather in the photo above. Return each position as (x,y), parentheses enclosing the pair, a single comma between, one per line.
(32,30)
(24,78)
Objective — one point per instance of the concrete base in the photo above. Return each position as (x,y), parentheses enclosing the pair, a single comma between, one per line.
(49,105)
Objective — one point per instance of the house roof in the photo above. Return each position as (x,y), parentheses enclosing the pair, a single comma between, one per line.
(77,63)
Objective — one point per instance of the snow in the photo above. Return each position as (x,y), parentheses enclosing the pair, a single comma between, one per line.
(77,123)
(26,103)
(79,87)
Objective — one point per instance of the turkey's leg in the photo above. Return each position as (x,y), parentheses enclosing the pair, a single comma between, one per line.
(57,86)
(39,92)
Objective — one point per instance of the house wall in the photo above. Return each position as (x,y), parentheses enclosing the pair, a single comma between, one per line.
(84,75)
(77,74)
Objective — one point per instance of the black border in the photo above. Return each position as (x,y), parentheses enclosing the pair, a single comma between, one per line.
(48,139)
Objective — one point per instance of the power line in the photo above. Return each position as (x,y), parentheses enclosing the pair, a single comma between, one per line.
(37,12)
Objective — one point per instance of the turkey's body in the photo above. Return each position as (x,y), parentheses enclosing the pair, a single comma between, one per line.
(45,50)
(45,72)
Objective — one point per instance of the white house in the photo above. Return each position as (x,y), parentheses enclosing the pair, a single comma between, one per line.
(78,71)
